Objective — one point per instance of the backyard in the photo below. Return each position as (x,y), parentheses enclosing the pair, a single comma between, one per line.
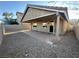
(22,43)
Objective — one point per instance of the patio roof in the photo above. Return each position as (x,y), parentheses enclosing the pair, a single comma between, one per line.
(43,19)
(37,11)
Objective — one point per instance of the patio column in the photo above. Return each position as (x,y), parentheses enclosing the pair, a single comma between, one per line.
(31,27)
(57,24)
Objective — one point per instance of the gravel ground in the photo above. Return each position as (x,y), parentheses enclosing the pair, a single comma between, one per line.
(39,45)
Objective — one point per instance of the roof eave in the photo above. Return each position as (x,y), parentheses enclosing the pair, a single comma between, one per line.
(34,6)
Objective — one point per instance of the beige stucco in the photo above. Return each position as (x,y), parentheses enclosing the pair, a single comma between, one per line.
(65,25)
(62,27)
(40,27)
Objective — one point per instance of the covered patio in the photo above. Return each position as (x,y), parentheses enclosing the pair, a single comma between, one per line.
(50,24)
(46,19)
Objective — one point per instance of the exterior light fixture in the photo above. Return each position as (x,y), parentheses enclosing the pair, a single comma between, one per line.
(34,24)
(52,23)
(44,24)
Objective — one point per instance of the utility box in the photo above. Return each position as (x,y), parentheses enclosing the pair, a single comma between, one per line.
(1,31)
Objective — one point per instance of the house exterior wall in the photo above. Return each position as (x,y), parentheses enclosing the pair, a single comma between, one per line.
(62,28)
(65,26)
(40,27)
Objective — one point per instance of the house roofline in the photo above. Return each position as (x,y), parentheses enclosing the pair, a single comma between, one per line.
(48,8)
(19,13)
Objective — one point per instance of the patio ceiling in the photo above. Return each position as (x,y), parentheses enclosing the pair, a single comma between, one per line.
(33,13)
(48,18)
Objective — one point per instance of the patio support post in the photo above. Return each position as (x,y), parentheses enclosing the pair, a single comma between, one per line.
(31,27)
(57,24)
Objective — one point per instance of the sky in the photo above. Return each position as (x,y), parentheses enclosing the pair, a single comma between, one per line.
(20,6)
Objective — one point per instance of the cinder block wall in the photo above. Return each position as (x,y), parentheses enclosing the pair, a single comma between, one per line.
(76,31)
(1,32)
(26,26)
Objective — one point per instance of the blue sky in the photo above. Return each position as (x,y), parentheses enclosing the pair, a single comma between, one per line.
(14,6)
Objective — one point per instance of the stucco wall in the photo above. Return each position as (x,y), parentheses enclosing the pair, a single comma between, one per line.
(41,28)
(62,29)
(65,25)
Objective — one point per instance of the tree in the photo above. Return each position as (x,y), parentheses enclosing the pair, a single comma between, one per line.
(8,16)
